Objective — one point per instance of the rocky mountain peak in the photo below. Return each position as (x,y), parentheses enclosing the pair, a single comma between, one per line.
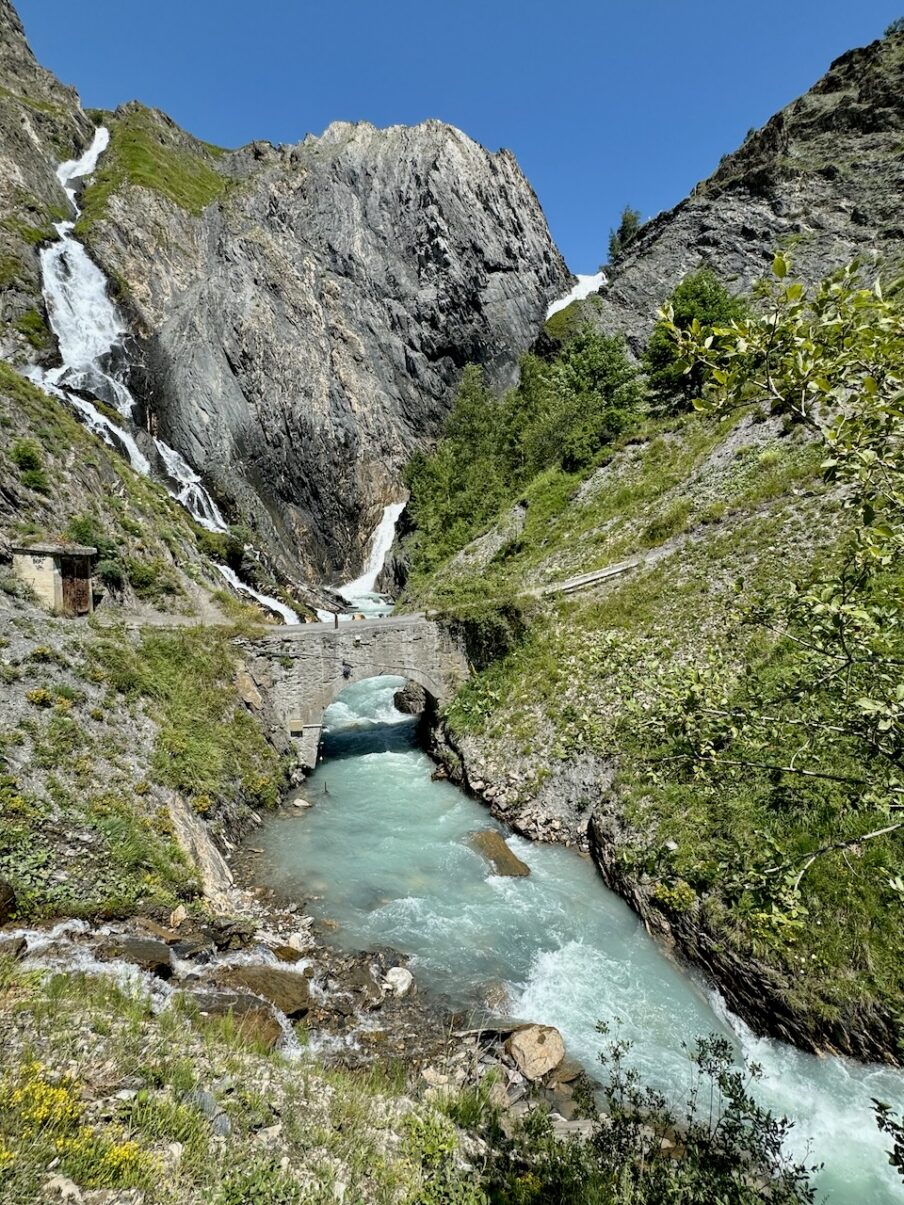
(305,328)
(822,179)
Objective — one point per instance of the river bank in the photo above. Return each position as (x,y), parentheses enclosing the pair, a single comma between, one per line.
(577,806)
(383,857)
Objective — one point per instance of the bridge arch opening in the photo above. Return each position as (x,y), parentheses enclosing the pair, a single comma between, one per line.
(380,713)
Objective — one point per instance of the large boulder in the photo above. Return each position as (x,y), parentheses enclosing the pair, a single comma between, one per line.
(144,952)
(491,843)
(255,1022)
(289,991)
(536,1050)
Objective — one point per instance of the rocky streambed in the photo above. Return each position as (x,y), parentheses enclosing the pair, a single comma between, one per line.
(389,855)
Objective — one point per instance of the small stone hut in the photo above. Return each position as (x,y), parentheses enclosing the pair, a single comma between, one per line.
(59,574)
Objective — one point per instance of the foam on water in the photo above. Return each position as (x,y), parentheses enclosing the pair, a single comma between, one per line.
(384,854)
(272,604)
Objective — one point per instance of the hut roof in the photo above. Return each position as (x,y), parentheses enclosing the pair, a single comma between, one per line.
(55,549)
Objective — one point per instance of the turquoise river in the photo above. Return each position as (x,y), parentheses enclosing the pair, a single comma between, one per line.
(383,854)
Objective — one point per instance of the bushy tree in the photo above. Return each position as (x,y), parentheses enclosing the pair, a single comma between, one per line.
(626,232)
(823,708)
(562,414)
(592,394)
(701,296)
(460,485)
(896,27)
(731,1149)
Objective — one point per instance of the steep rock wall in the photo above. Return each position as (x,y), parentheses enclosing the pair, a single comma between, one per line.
(823,179)
(303,333)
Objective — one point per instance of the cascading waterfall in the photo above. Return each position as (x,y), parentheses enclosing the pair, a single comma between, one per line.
(360,592)
(585,286)
(90,331)
(190,491)
(272,604)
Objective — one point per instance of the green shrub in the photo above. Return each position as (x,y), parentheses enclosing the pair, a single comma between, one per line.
(228,547)
(261,1181)
(31,324)
(88,530)
(701,297)
(111,573)
(152,579)
(36,479)
(25,454)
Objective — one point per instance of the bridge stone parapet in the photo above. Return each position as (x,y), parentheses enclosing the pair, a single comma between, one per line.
(301,669)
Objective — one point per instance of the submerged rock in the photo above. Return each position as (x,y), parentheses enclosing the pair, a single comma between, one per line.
(287,990)
(144,952)
(536,1050)
(491,843)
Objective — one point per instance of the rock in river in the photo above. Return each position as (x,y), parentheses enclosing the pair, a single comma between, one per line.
(491,843)
(152,956)
(287,990)
(536,1050)
(399,981)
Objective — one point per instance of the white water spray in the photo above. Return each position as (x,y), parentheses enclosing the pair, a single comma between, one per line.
(191,492)
(361,590)
(272,604)
(585,286)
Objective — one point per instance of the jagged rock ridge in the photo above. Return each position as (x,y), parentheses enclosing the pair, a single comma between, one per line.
(304,332)
(823,179)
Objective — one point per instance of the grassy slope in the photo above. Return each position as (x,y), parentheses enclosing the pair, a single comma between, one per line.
(147,152)
(121,1117)
(97,726)
(733,510)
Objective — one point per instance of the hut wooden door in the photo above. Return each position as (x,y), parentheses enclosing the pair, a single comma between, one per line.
(76,585)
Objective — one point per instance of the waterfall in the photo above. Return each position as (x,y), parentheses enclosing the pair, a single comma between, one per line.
(272,604)
(191,492)
(90,331)
(585,286)
(362,588)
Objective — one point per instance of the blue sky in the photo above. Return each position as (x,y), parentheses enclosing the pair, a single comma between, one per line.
(603,103)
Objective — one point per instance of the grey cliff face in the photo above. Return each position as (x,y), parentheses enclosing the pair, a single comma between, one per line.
(304,333)
(823,180)
(41,123)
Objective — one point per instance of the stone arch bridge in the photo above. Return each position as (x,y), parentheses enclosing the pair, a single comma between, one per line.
(301,669)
